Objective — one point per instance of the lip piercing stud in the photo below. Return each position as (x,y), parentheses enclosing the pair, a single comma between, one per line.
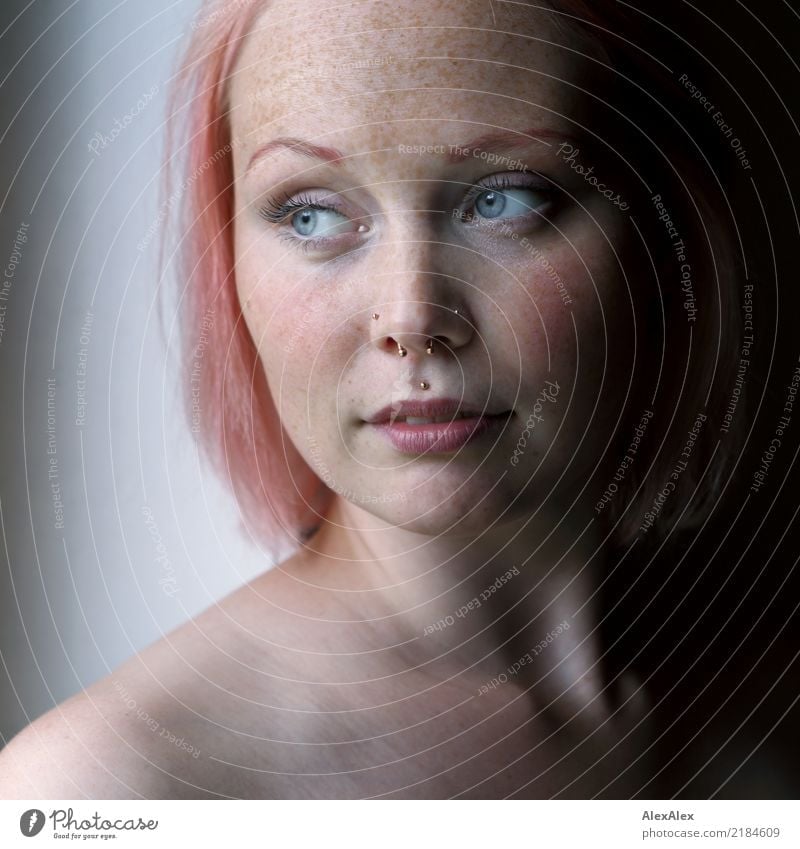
(429,346)
(423,384)
(401,350)
(375,316)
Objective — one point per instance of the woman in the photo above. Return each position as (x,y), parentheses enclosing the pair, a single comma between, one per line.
(471,327)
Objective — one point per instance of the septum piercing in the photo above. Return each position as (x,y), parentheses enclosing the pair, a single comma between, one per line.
(402,351)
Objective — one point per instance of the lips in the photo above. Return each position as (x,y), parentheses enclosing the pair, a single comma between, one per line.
(436,410)
(435,427)
(419,420)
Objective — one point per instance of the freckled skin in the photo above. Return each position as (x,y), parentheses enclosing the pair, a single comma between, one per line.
(436,75)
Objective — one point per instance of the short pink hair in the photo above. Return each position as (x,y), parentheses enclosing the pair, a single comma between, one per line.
(239,428)
(281,498)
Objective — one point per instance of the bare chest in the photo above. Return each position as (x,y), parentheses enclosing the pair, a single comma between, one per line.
(451,745)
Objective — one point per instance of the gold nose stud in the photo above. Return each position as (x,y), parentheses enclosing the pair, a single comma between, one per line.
(423,384)
(375,316)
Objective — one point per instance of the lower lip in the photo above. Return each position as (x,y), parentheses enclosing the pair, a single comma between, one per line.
(440,438)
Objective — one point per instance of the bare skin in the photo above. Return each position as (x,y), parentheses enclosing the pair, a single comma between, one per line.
(325,677)
(266,728)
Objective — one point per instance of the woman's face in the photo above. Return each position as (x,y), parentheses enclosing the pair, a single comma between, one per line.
(408,161)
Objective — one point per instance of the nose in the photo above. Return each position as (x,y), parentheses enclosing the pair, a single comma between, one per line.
(422,327)
(427,313)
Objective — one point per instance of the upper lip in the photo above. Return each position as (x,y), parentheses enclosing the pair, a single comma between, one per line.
(428,409)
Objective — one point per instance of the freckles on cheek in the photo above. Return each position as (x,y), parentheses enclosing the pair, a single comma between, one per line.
(275,317)
(541,323)
(302,355)
(271,333)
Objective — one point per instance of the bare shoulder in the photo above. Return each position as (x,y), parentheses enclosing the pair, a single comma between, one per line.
(118,739)
(154,726)
(79,749)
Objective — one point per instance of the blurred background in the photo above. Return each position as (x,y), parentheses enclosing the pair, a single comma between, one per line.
(112,532)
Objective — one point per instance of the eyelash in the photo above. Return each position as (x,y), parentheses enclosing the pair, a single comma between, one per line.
(279,208)
(501,184)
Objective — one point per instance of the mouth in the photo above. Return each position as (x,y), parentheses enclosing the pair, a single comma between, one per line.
(426,420)
(440,434)
(435,411)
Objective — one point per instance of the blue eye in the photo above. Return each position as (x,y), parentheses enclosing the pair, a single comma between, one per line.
(316,221)
(509,203)
(308,220)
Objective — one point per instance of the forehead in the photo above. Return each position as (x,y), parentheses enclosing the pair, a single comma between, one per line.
(411,66)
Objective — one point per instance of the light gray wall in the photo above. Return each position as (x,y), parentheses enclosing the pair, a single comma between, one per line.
(76,600)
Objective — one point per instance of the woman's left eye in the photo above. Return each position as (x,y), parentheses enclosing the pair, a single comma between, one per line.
(493,204)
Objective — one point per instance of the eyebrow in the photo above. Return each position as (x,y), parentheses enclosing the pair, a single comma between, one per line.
(314,151)
(491,143)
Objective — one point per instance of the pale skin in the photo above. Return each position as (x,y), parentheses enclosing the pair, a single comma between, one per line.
(323,677)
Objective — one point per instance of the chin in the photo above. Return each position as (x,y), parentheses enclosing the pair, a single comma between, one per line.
(434,507)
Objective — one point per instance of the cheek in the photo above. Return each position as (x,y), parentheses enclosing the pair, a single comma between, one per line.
(572,323)
(282,328)
(553,317)
(585,305)
(304,341)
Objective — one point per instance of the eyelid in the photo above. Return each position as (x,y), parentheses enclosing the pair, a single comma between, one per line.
(501,183)
(277,208)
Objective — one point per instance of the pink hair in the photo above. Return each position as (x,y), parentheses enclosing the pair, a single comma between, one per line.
(238,426)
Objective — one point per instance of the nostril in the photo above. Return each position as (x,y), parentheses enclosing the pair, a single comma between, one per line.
(420,343)
(393,343)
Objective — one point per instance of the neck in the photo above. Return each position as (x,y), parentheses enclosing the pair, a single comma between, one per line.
(520,591)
